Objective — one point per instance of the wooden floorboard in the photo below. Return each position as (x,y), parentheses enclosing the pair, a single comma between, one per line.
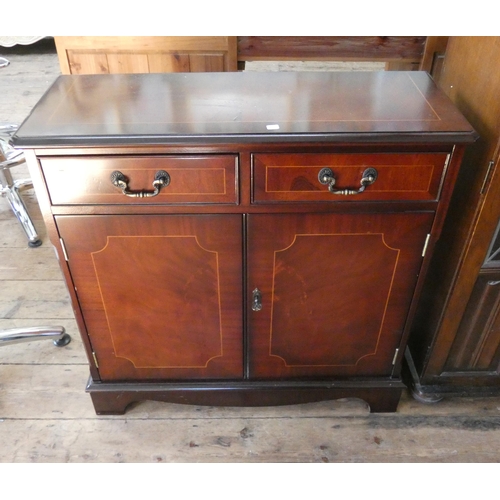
(46,416)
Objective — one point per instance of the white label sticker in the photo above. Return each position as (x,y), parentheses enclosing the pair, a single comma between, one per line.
(273,127)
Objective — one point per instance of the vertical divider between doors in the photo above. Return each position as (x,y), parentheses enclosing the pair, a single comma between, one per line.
(246,360)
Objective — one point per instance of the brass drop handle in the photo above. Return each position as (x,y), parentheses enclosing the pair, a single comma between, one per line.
(256,300)
(162,179)
(326,176)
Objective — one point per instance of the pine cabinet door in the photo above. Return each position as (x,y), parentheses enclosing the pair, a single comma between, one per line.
(329,294)
(160,295)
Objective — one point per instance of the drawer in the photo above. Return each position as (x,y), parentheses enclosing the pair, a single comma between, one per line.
(296,177)
(191,179)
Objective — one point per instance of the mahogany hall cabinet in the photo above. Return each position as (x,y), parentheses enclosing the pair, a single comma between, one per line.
(244,238)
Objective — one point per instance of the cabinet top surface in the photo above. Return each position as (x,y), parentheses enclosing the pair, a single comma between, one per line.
(176,108)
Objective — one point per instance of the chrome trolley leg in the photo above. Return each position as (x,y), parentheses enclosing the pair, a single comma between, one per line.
(11,188)
(17,335)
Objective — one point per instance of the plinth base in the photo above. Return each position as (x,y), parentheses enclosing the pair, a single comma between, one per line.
(113,398)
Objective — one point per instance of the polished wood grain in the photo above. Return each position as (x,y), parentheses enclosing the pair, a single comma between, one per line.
(193,179)
(295,177)
(335,291)
(194,108)
(160,296)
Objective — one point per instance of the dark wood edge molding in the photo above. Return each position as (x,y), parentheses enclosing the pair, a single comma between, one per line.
(179,140)
(113,398)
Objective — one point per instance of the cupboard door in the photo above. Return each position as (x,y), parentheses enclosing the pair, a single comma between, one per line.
(329,294)
(160,295)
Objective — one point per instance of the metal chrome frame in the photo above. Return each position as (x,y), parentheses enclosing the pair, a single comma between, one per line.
(11,188)
(17,335)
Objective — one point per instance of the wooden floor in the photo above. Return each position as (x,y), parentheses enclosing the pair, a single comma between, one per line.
(46,416)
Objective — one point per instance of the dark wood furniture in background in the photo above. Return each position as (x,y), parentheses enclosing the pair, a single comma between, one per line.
(433,56)
(244,238)
(398,52)
(455,343)
(158,54)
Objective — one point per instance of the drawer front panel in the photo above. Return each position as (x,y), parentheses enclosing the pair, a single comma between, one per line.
(193,179)
(295,177)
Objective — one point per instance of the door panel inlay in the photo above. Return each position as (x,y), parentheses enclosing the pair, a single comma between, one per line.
(317,301)
(178,286)
(335,291)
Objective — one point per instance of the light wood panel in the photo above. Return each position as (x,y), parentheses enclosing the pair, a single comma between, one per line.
(148,54)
